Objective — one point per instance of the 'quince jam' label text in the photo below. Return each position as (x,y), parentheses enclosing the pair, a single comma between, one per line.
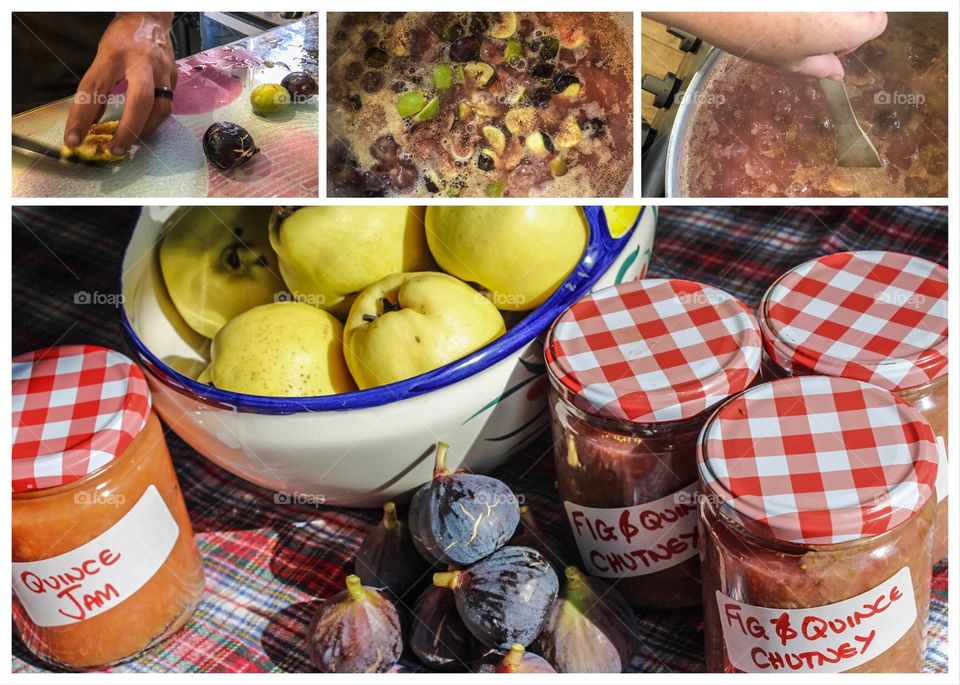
(102,573)
(826,639)
(637,540)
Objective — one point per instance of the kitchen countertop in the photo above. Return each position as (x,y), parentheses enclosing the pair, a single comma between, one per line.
(214,85)
(268,565)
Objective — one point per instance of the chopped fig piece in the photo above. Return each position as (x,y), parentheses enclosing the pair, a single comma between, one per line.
(481,72)
(569,134)
(521,120)
(487,161)
(502,24)
(495,137)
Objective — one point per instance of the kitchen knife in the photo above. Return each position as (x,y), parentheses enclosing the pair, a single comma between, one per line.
(33,148)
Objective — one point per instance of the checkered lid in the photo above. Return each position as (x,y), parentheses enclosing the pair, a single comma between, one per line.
(653,350)
(879,317)
(75,409)
(818,459)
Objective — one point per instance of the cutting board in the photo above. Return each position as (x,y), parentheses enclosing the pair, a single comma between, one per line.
(213,86)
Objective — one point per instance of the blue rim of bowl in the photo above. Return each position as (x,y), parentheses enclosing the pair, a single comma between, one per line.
(600,253)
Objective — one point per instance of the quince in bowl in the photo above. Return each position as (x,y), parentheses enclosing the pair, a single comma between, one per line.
(447,350)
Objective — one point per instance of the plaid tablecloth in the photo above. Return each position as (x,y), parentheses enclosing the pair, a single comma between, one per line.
(268,566)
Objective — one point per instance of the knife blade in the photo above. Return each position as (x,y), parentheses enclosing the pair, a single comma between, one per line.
(35,148)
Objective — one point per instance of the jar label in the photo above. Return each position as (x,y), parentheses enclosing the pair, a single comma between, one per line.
(940,485)
(826,639)
(638,540)
(99,575)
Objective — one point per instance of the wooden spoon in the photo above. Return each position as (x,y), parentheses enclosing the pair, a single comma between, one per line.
(853,146)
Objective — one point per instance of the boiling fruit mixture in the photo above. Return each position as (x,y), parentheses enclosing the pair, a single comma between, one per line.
(757,131)
(479,104)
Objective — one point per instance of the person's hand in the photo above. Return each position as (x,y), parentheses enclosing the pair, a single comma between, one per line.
(136,47)
(808,43)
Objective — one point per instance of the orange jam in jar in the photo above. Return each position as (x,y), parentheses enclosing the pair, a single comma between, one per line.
(877,317)
(104,559)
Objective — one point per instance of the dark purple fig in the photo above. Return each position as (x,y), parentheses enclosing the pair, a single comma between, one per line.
(228,145)
(516,660)
(355,631)
(504,598)
(301,86)
(465,49)
(589,629)
(438,636)
(459,518)
(387,558)
(529,534)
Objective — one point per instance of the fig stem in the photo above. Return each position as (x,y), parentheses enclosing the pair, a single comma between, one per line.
(577,588)
(355,587)
(513,658)
(390,515)
(448,579)
(440,465)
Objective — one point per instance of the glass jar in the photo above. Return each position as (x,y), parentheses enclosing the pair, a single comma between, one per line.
(104,560)
(625,444)
(879,317)
(816,517)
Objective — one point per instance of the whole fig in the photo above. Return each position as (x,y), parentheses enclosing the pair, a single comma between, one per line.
(228,145)
(355,631)
(529,534)
(504,599)
(387,558)
(438,636)
(590,628)
(459,518)
(516,660)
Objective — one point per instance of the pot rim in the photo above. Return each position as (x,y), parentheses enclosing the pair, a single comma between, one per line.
(680,123)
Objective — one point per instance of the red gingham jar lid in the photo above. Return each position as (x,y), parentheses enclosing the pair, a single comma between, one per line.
(75,409)
(653,350)
(818,459)
(879,317)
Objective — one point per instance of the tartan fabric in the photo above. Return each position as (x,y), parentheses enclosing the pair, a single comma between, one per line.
(268,566)
(819,460)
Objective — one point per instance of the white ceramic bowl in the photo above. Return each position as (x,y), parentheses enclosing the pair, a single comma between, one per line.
(361,448)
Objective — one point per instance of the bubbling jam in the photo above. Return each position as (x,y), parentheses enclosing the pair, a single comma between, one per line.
(757,131)
(494,104)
